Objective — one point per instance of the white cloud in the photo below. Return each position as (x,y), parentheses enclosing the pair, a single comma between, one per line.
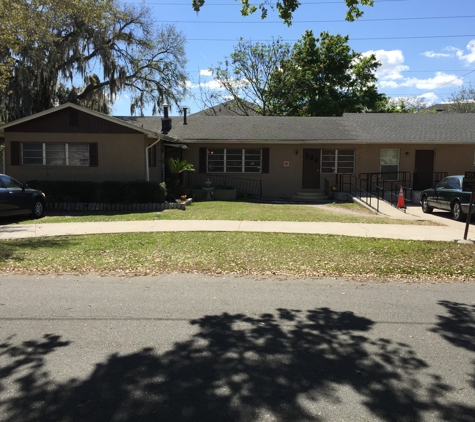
(467,56)
(392,64)
(390,73)
(470,56)
(388,84)
(429,97)
(433,55)
(450,48)
(439,79)
(206,72)
(213,84)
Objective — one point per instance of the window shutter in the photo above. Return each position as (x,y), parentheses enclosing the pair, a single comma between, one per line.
(265,160)
(93,155)
(15,153)
(202,160)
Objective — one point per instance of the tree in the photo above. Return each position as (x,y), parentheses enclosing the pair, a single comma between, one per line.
(88,52)
(316,77)
(176,167)
(401,105)
(462,101)
(245,78)
(24,23)
(286,8)
(324,77)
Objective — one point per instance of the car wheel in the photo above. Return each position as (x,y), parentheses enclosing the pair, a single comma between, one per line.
(457,212)
(38,209)
(425,206)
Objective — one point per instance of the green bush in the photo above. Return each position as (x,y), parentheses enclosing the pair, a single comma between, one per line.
(143,192)
(112,192)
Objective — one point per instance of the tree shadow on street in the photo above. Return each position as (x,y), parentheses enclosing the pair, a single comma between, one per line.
(458,327)
(281,367)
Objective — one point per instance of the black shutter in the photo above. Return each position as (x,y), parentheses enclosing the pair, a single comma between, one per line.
(265,160)
(15,154)
(202,160)
(93,155)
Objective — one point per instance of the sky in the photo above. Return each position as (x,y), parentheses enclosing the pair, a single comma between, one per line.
(426,47)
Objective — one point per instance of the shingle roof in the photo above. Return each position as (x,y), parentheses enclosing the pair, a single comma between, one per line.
(350,128)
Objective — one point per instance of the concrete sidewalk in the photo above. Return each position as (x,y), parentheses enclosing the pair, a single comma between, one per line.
(449,231)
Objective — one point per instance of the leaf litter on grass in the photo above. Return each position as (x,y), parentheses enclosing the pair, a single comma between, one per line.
(298,255)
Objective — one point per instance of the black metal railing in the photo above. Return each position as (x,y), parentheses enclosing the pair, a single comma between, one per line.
(370,195)
(243,186)
(388,185)
(370,188)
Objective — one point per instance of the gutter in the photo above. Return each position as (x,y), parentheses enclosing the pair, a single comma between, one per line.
(147,150)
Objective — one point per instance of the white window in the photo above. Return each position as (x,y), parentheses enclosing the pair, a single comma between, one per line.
(55,154)
(338,161)
(389,164)
(221,160)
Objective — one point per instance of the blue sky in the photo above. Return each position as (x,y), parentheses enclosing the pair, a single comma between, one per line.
(426,47)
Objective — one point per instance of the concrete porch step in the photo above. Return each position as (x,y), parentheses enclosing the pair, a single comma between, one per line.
(310,196)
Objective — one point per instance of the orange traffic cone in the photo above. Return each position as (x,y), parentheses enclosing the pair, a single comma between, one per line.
(400,199)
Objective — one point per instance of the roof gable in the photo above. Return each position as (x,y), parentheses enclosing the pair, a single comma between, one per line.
(71,118)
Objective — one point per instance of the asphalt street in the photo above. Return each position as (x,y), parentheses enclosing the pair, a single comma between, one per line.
(201,348)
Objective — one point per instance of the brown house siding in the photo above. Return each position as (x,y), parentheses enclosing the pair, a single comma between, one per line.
(112,157)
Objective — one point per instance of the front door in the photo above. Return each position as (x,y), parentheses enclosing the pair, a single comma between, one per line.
(311,169)
(423,169)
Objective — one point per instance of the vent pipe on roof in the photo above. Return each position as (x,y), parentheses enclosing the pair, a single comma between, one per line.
(166,121)
(185,111)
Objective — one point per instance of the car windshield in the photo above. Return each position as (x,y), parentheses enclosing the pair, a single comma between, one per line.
(10,182)
(442,183)
(453,183)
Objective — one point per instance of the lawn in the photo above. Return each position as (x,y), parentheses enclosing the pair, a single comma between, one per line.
(239,253)
(216,210)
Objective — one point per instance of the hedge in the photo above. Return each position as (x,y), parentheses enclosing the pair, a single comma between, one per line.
(109,192)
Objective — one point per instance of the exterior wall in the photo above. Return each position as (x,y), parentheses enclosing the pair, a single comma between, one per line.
(279,182)
(454,159)
(121,158)
(284,181)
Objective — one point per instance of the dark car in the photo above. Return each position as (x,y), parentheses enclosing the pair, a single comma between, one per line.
(447,195)
(17,198)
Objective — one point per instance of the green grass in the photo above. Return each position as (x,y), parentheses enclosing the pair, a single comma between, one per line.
(239,253)
(216,210)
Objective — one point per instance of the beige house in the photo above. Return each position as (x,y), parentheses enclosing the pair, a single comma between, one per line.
(281,155)
(70,142)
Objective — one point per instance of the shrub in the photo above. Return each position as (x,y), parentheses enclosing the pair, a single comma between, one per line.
(112,192)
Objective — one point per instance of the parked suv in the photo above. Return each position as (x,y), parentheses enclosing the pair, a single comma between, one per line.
(447,195)
(17,198)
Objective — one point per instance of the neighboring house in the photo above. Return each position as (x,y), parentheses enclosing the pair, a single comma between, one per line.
(230,108)
(440,108)
(285,154)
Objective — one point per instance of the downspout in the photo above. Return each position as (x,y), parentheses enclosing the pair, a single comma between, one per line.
(3,147)
(146,158)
